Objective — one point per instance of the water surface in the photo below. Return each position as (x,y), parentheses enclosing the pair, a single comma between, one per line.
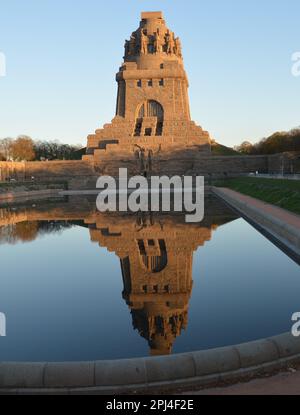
(79,285)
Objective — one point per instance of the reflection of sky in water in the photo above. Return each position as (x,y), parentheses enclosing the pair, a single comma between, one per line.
(62,296)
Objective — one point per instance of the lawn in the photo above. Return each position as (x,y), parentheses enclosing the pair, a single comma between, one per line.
(282,193)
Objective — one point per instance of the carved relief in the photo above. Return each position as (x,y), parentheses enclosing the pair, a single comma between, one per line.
(142,43)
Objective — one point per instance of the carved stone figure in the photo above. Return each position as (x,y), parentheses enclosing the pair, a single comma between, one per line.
(132,45)
(178,49)
(169,43)
(144,43)
(157,43)
(127,48)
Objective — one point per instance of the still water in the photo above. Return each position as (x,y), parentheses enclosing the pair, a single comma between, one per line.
(77,285)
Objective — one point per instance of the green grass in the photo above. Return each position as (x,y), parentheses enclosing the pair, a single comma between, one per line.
(282,193)
(220,150)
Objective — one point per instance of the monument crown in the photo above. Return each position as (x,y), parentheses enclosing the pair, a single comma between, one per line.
(152,38)
(151,15)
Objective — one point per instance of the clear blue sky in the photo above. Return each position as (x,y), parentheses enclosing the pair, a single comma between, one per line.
(62,56)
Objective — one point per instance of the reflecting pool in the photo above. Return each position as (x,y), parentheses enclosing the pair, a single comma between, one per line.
(77,284)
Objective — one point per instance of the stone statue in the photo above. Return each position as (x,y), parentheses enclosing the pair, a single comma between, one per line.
(157,43)
(132,45)
(169,43)
(144,43)
(178,49)
(149,161)
(127,48)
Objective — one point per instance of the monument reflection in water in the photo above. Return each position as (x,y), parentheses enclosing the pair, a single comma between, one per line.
(155,251)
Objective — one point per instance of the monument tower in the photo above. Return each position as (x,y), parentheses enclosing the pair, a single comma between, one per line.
(152,121)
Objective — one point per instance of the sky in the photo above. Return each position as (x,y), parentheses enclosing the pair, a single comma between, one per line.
(62,57)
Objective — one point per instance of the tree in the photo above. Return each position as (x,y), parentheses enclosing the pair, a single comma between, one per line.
(54,150)
(25,149)
(5,148)
(245,148)
(22,149)
(279,142)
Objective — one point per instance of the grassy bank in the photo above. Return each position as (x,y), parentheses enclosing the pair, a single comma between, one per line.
(282,193)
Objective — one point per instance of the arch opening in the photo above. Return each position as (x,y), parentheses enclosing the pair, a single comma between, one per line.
(149,119)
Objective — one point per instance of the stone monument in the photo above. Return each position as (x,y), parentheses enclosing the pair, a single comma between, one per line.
(152,119)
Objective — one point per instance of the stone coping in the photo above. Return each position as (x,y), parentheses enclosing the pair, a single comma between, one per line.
(199,368)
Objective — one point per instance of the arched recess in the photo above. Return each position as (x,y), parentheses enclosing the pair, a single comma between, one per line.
(153,263)
(149,119)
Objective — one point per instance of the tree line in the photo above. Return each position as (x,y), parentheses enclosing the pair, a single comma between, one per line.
(24,148)
(278,142)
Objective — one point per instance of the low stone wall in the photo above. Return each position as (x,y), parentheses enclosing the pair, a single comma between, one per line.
(82,174)
(183,163)
(199,369)
(284,163)
(76,173)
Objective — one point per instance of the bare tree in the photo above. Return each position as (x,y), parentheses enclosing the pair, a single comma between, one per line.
(5,148)
(22,149)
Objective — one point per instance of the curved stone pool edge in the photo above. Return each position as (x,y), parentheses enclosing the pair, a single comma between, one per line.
(194,369)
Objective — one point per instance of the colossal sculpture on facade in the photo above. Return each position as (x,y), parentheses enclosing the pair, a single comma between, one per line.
(158,47)
(169,43)
(178,50)
(144,43)
(132,46)
(152,107)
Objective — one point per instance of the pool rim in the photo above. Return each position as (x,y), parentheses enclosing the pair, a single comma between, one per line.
(128,376)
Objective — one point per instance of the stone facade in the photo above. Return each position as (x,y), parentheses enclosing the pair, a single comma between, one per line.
(152,113)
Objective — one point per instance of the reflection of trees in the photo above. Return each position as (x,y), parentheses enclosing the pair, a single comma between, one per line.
(29,231)
(25,231)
